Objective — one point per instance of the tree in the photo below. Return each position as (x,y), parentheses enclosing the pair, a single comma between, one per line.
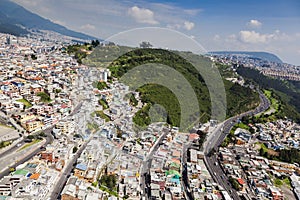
(33,57)
(235,184)
(94,184)
(132,100)
(44,97)
(31,137)
(119,133)
(145,45)
(95,43)
(109,181)
(12,169)
(42,134)
(57,91)
(75,149)
(100,85)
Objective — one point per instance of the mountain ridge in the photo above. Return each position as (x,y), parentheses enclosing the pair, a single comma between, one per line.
(16,20)
(256,54)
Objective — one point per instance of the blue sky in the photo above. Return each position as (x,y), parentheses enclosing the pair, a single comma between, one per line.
(257,25)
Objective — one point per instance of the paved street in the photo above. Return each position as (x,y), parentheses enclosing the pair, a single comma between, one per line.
(66,173)
(218,136)
(146,165)
(185,183)
(15,158)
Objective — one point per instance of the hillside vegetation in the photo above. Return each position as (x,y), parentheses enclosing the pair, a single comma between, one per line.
(239,99)
(287,93)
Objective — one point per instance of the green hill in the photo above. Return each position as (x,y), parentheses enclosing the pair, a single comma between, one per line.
(286,92)
(239,99)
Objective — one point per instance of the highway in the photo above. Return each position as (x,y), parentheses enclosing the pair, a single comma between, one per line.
(49,139)
(5,172)
(216,140)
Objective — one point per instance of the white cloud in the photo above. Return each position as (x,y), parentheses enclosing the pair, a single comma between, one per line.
(192,12)
(142,15)
(188,25)
(216,37)
(297,34)
(59,22)
(88,27)
(253,23)
(185,25)
(255,37)
(174,26)
(231,38)
(28,2)
(38,4)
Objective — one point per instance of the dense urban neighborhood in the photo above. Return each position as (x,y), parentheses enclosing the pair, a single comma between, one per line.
(67,132)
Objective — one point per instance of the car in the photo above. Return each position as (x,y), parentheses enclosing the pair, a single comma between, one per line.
(43,148)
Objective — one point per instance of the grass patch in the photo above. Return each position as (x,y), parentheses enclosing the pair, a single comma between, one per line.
(274,102)
(6,126)
(113,193)
(26,103)
(5,144)
(92,126)
(44,97)
(103,103)
(239,125)
(100,85)
(102,115)
(243,126)
(263,147)
(278,182)
(29,144)
(287,182)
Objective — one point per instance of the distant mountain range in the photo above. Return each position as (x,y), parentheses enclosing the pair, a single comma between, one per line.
(16,20)
(258,55)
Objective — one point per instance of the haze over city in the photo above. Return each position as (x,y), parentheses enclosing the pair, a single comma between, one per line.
(271,26)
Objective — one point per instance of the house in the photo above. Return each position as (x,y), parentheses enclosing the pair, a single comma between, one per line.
(48,156)
(36,88)
(32,125)
(66,127)
(69,193)
(276,194)
(80,170)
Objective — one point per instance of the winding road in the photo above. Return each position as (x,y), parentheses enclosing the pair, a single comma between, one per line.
(215,140)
